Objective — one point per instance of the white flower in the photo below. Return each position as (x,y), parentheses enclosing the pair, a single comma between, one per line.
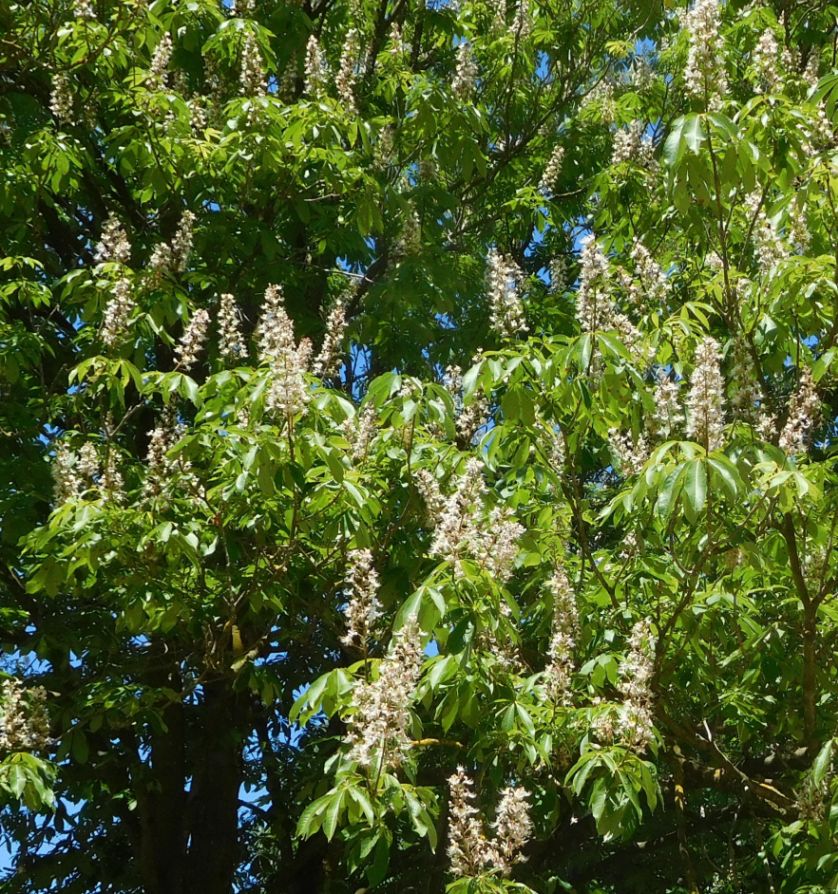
(192,341)
(363,607)
(113,244)
(159,69)
(513,828)
(766,59)
(705,402)
(705,73)
(24,725)
(503,278)
(465,75)
(61,100)
(468,849)
(315,69)
(67,483)
(804,410)
(252,75)
(562,638)
(345,80)
(552,171)
(635,723)
(631,453)
(288,392)
(118,311)
(231,341)
(668,414)
(378,728)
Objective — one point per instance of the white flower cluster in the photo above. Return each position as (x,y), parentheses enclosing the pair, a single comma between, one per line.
(705,402)
(469,851)
(67,483)
(668,415)
(595,308)
(522,20)
(61,99)
(192,341)
(468,418)
(158,71)
(117,315)
(231,341)
(83,9)
(769,249)
(316,74)
(252,74)
(468,847)
(562,638)
(632,144)
(345,80)
(705,73)
(766,61)
(288,392)
(428,487)
(396,41)
(635,725)
(359,430)
(174,258)
(503,280)
(378,728)
(552,171)
(24,725)
(465,75)
(363,608)
(462,531)
(113,244)
(804,410)
(632,453)
(649,288)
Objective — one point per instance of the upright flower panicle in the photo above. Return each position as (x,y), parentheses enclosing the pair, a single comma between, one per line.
(345,80)
(632,144)
(562,638)
(705,73)
(327,361)
(288,392)
(705,402)
(231,341)
(635,725)
(668,415)
(378,728)
(118,311)
(649,287)
(113,244)
(769,249)
(503,277)
(363,607)
(804,410)
(631,452)
(62,101)
(158,71)
(465,74)
(766,61)
(468,848)
(192,341)
(315,69)
(552,171)
(360,430)
(67,482)
(24,725)
(512,827)
(252,74)
(470,853)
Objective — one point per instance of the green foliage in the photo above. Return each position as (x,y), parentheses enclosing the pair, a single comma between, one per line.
(180,510)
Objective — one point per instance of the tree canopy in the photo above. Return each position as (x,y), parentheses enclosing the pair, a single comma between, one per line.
(419,446)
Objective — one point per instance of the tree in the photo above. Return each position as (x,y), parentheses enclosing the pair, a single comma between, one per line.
(420,463)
